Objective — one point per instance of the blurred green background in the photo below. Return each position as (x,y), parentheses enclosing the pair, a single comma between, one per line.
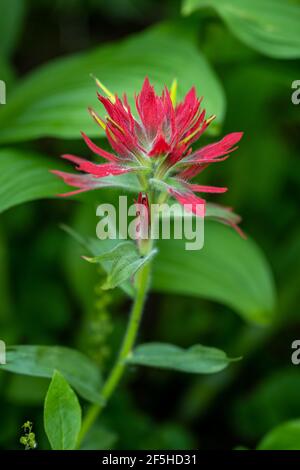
(48,295)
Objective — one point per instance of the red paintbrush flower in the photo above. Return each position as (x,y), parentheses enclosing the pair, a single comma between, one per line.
(156,144)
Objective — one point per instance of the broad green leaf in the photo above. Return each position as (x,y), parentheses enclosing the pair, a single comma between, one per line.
(62,414)
(12,12)
(53,100)
(41,361)
(269,26)
(228,269)
(124,261)
(197,360)
(283,437)
(25,176)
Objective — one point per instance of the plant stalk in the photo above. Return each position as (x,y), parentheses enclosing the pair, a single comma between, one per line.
(142,284)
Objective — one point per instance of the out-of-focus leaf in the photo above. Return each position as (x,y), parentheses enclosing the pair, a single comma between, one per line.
(41,361)
(53,100)
(25,176)
(269,26)
(283,437)
(228,269)
(62,414)
(12,12)
(197,360)
(124,249)
(274,401)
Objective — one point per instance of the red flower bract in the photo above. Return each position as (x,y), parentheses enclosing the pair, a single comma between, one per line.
(156,141)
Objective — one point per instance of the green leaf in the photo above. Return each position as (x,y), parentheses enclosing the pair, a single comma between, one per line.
(62,414)
(124,269)
(125,249)
(228,269)
(124,261)
(269,26)
(41,361)
(197,360)
(25,177)
(283,437)
(53,100)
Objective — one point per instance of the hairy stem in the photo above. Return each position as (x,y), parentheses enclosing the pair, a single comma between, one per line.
(142,283)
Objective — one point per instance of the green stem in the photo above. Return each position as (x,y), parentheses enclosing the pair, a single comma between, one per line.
(142,282)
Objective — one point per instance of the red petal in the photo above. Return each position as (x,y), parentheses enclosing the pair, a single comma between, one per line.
(83,182)
(160,146)
(123,141)
(198,188)
(198,165)
(196,168)
(121,117)
(100,171)
(191,171)
(147,104)
(186,111)
(190,201)
(97,150)
(218,149)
